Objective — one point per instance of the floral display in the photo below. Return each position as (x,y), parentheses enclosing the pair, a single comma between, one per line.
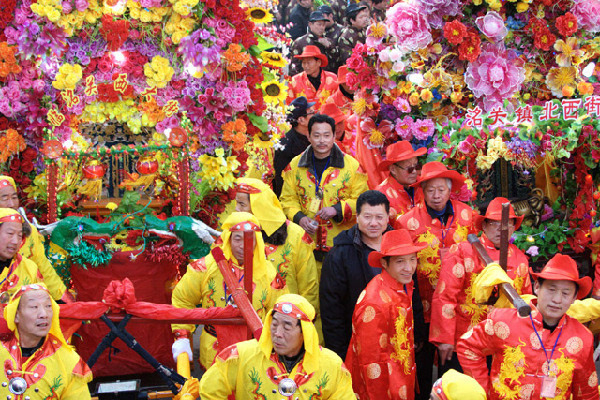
(69,68)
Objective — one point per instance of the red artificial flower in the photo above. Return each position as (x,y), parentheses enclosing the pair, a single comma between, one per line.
(566,24)
(544,39)
(455,32)
(470,48)
(114,32)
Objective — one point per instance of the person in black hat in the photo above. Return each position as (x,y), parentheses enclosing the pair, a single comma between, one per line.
(315,37)
(333,30)
(358,17)
(295,140)
(299,17)
(378,9)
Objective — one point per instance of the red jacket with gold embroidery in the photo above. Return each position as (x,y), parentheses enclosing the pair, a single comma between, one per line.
(52,372)
(381,355)
(453,309)
(425,229)
(399,199)
(301,86)
(519,363)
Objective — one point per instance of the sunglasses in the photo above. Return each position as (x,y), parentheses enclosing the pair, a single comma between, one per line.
(409,170)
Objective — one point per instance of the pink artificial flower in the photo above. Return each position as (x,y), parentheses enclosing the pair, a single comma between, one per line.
(464,195)
(409,26)
(492,26)
(375,34)
(81,5)
(423,128)
(404,128)
(533,251)
(402,104)
(67,7)
(588,14)
(496,75)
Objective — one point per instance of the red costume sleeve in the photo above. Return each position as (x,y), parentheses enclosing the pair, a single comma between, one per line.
(472,349)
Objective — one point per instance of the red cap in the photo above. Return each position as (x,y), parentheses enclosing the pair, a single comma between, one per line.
(494,212)
(435,169)
(399,151)
(394,243)
(564,268)
(334,112)
(313,51)
(342,72)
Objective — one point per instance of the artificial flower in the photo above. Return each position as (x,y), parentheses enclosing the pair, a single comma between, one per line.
(561,77)
(68,76)
(423,129)
(455,32)
(273,58)
(587,13)
(376,33)
(235,58)
(158,72)
(259,15)
(8,62)
(566,24)
(492,26)
(409,26)
(543,39)
(274,91)
(470,48)
(568,52)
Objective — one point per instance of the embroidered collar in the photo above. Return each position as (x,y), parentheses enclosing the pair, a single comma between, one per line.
(336,157)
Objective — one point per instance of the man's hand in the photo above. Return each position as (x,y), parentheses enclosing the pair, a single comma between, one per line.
(324,41)
(445,352)
(305,223)
(326,213)
(181,346)
(418,346)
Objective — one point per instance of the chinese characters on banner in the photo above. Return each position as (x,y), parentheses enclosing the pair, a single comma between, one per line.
(568,110)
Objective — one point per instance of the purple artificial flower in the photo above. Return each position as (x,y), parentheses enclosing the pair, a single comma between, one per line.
(436,10)
(533,251)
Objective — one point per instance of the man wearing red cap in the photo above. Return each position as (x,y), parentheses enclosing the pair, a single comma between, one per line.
(438,222)
(33,246)
(545,355)
(401,161)
(314,83)
(344,95)
(454,310)
(314,36)
(381,356)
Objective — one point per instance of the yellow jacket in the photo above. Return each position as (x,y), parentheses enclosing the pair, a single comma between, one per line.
(342,182)
(245,373)
(20,272)
(203,285)
(33,249)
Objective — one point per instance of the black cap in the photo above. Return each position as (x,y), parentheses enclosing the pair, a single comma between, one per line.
(317,16)
(301,106)
(325,9)
(354,9)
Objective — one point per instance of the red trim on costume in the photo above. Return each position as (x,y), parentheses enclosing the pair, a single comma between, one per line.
(26,288)
(437,389)
(16,217)
(199,265)
(245,226)
(245,188)
(292,310)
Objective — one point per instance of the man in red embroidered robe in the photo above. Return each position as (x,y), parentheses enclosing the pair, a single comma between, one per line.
(454,310)
(439,223)
(402,164)
(381,356)
(545,355)
(314,83)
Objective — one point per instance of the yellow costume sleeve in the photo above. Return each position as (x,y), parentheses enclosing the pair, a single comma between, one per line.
(34,250)
(219,381)
(289,198)
(188,294)
(585,310)
(306,272)
(343,385)
(359,186)
(484,284)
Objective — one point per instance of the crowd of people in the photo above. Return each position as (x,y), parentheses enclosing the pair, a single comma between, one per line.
(361,270)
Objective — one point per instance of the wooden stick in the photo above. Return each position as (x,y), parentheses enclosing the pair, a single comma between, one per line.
(503,261)
(248,267)
(507,289)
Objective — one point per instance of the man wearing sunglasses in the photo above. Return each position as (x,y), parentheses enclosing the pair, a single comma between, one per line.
(401,162)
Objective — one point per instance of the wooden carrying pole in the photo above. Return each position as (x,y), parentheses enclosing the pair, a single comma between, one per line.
(507,289)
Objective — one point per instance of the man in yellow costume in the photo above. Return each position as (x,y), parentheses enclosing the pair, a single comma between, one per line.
(321,186)
(37,363)
(33,248)
(204,285)
(286,362)
(15,270)
(288,247)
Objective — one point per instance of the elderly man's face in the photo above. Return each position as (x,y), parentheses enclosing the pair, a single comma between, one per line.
(34,317)
(242,202)
(491,228)
(436,193)
(9,198)
(286,335)
(11,236)
(237,246)
(405,171)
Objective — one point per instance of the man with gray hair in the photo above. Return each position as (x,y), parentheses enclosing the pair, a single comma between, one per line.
(439,222)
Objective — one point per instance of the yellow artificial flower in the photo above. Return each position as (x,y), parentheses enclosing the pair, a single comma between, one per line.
(560,77)
(51,9)
(522,7)
(158,72)
(275,91)
(67,77)
(259,15)
(485,162)
(426,95)
(497,147)
(273,58)
(568,52)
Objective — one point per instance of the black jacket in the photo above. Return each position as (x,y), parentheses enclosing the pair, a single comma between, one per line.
(299,19)
(344,276)
(294,144)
